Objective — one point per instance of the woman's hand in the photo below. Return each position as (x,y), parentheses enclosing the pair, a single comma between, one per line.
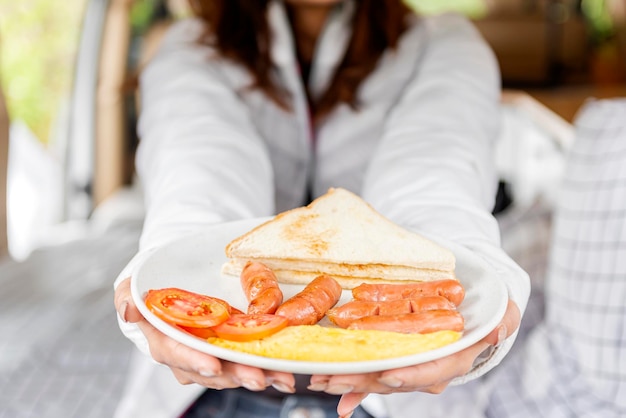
(191,366)
(431,377)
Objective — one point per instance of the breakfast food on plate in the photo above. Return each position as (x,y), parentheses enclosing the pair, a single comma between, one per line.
(405,293)
(261,288)
(250,327)
(450,289)
(413,323)
(349,312)
(341,235)
(310,305)
(188,309)
(318,343)
(381,328)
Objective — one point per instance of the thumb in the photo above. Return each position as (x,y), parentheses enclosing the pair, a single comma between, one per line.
(124,304)
(506,327)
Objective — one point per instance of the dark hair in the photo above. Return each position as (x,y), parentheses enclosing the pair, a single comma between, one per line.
(240,32)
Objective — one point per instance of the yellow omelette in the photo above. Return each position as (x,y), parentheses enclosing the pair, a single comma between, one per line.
(327,344)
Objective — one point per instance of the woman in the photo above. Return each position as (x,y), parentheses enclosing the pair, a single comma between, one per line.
(255,107)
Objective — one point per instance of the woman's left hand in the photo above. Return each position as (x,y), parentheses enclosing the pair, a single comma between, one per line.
(430,377)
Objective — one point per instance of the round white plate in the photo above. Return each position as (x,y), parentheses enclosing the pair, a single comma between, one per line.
(194,263)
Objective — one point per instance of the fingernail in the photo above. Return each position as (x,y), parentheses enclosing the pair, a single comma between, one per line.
(318,387)
(339,389)
(207,373)
(123,310)
(283,387)
(252,385)
(502,331)
(392,382)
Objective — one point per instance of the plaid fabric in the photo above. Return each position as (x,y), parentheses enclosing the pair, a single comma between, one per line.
(573,364)
(526,233)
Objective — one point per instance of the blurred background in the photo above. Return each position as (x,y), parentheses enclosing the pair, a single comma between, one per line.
(68,73)
(66,67)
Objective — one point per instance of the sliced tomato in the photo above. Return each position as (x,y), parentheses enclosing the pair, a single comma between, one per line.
(203,333)
(189,309)
(248,327)
(234,311)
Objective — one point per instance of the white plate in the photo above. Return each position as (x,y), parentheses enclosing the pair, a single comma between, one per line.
(194,264)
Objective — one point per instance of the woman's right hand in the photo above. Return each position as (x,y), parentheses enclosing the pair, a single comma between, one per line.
(191,366)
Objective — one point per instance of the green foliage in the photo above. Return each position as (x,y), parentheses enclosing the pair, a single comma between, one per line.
(38,44)
(141,14)
(600,21)
(471,8)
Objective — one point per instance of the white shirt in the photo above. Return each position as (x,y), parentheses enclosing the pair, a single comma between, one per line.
(419,150)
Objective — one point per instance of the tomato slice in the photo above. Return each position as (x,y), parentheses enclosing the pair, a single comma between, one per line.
(203,333)
(248,327)
(234,311)
(189,309)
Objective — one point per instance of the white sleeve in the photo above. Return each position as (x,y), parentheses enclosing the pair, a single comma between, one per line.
(434,170)
(200,160)
(131,330)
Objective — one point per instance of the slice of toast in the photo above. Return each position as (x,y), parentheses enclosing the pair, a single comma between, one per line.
(341,235)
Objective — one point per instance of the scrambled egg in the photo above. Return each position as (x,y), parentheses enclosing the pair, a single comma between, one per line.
(318,343)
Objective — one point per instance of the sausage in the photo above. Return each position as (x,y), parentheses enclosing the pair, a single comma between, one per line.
(310,305)
(349,312)
(413,323)
(430,303)
(450,289)
(261,288)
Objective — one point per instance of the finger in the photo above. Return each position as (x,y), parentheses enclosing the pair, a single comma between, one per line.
(251,378)
(219,382)
(176,355)
(124,304)
(346,384)
(430,377)
(437,389)
(282,382)
(510,322)
(319,382)
(349,402)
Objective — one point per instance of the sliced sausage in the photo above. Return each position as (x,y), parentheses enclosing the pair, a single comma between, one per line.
(261,288)
(450,289)
(349,312)
(413,323)
(310,305)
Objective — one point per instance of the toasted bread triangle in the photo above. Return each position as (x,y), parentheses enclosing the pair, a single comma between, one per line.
(340,228)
